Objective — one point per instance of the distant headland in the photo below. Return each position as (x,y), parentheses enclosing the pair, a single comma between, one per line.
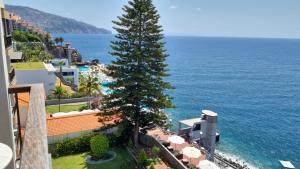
(54,23)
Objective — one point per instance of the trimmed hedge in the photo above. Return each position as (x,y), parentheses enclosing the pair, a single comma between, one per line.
(72,146)
(99,146)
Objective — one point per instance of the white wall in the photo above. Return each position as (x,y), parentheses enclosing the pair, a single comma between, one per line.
(55,139)
(75,77)
(37,76)
(6,125)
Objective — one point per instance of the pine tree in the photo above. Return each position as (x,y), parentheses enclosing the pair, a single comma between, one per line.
(138,68)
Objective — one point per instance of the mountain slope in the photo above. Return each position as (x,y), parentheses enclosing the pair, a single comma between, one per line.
(54,23)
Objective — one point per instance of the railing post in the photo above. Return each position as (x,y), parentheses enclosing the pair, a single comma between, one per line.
(19,121)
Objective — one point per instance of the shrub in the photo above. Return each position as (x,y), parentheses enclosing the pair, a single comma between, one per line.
(142,158)
(151,166)
(155,150)
(72,146)
(130,143)
(99,146)
(84,107)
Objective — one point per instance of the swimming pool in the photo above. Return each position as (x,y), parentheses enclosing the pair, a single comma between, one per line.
(105,88)
(84,69)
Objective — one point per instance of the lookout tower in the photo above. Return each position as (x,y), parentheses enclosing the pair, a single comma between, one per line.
(208,132)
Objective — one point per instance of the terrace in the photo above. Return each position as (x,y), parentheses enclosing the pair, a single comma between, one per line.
(31,142)
(162,137)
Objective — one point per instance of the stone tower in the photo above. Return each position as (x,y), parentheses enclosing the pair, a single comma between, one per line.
(208,132)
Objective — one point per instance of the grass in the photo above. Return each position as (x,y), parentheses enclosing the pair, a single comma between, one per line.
(64,108)
(78,161)
(28,66)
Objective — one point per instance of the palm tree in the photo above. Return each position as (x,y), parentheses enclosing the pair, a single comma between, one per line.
(61,63)
(47,38)
(57,40)
(89,86)
(61,40)
(58,92)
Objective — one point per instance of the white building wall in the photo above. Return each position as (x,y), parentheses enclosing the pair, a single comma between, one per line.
(58,138)
(75,75)
(6,124)
(37,76)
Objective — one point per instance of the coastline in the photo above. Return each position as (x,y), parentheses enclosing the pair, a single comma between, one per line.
(236,159)
(265,155)
(232,159)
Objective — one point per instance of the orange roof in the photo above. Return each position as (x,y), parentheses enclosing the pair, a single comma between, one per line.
(71,124)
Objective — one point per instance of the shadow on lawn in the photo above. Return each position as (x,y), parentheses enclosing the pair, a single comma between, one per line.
(120,162)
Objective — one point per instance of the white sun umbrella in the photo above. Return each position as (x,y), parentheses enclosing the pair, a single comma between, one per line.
(205,164)
(176,139)
(191,152)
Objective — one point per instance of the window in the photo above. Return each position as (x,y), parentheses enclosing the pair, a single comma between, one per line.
(197,127)
(68,73)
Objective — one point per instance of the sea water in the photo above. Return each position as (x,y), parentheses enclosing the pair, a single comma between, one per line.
(253,84)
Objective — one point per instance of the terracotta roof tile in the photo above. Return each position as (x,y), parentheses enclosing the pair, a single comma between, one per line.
(71,124)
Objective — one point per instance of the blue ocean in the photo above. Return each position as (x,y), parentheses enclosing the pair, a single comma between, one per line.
(253,84)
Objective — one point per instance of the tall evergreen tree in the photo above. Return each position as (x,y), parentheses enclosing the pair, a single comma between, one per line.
(138,68)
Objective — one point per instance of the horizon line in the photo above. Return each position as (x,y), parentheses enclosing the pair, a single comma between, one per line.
(200,36)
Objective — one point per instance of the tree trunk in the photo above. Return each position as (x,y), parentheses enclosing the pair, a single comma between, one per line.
(136,133)
(59,103)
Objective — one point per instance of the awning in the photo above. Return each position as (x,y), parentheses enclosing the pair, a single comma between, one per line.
(190,122)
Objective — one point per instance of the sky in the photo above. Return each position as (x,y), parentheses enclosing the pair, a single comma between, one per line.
(225,18)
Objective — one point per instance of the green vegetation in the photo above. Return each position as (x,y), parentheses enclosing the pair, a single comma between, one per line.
(78,161)
(58,92)
(32,45)
(142,158)
(28,66)
(59,40)
(34,52)
(139,68)
(89,86)
(71,146)
(152,166)
(130,143)
(64,108)
(99,146)
(155,150)
(22,36)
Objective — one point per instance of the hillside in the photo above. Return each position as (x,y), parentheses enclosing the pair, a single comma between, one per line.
(54,23)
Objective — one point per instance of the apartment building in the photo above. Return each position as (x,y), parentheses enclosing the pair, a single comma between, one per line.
(69,73)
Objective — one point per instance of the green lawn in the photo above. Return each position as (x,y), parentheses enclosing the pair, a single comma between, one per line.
(78,161)
(64,108)
(28,66)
